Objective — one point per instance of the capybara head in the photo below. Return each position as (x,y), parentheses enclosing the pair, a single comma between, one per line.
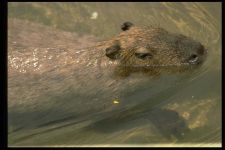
(153,47)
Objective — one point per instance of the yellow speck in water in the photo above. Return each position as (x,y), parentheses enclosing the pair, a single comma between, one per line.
(116,101)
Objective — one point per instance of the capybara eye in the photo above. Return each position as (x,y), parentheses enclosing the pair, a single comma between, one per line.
(144,56)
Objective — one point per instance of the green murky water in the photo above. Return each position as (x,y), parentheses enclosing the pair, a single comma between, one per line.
(168,110)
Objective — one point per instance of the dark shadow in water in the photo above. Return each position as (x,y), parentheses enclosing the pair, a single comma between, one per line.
(168,122)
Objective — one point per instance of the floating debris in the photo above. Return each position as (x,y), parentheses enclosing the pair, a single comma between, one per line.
(94,15)
(186,115)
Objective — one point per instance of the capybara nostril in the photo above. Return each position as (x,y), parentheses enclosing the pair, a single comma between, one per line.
(193,58)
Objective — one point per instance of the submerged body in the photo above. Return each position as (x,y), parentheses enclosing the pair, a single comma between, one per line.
(45,64)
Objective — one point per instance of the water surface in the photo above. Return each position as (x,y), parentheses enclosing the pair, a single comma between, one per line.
(170,109)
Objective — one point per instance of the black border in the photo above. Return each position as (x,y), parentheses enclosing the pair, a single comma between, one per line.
(3,62)
(4,77)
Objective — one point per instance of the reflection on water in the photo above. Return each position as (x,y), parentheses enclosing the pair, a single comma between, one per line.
(169,109)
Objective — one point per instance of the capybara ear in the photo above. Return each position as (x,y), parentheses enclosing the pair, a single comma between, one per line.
(126,26)
(113,52)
